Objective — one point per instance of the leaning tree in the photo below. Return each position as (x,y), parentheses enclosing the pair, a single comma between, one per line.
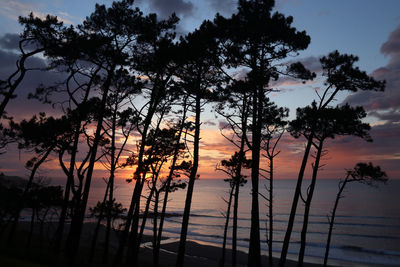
(340,75)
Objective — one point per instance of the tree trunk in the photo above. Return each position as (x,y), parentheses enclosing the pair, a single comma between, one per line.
(270,210)
(97,228)
(137,190)
(228,212)
(70,177)
(332,220)
(155,215)
(110,184)
(70,172)
(296,196)
(28,244)
(28,186)
(77,221)
(134,244)
(192,178)
(145,214)
(234,224)
(238,178)
(308,205)
(254,256)
(168,183)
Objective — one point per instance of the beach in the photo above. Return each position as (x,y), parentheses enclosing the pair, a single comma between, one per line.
(197,254)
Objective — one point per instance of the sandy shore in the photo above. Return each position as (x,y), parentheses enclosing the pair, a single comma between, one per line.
(200,255)
(197,254)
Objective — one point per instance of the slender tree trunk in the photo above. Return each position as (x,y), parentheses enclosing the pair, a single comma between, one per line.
(145,214)
(134,244)
(308,205)
(234,224)
(28,186)
(254,256)
(70,172)
(77,221)
(97,228)
(296,196)
(238,178)
(270,210)
(168,183)
(332,220)
(41,230)
(155,215)
(228,213)
(137,190)
(70,177)
(110,185)
(192,178)
(28,244)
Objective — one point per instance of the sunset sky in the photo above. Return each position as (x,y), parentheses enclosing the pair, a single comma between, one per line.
(369,29)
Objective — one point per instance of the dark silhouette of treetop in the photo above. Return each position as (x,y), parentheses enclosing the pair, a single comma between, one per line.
(365,173)
(329,122)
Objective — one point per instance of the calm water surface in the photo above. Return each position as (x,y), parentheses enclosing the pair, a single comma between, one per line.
(367,225)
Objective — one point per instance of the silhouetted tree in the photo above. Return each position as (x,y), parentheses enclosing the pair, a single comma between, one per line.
(198,71)
(10,195)
(151,60)
(37,36)
(159,150)
(340,75)
(175,185)
(273,129)
(362,173)
(41,135)
(234,106)
(230,167)
(119,121)
(175,169)
(40,199)
(258,39)
(113,32)
(328,123)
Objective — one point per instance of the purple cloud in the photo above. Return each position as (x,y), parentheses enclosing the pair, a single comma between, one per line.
(21,107)
(166,7)
(379,103)
(9,41)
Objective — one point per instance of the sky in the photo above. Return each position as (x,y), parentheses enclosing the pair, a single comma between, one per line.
(369,29)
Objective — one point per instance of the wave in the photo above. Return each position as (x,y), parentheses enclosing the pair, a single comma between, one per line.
(320,222)
(346,216)
(338,252)
(277,230)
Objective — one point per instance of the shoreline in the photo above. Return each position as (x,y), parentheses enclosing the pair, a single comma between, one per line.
(198,253)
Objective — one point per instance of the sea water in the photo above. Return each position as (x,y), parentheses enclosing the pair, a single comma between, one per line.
(366,230)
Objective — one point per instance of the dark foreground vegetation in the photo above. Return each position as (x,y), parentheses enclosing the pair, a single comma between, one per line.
(126,78)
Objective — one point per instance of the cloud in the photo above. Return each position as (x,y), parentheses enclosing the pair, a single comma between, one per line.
(225,7)
(345,152)
(378,103)
(312,63)
(166,7)
(12,9)
(9,41)
(21,107)
(393,44)
(210,123)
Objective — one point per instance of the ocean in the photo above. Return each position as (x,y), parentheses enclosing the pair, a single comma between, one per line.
(366,230)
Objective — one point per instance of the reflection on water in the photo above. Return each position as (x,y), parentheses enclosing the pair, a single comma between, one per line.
(367,228)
